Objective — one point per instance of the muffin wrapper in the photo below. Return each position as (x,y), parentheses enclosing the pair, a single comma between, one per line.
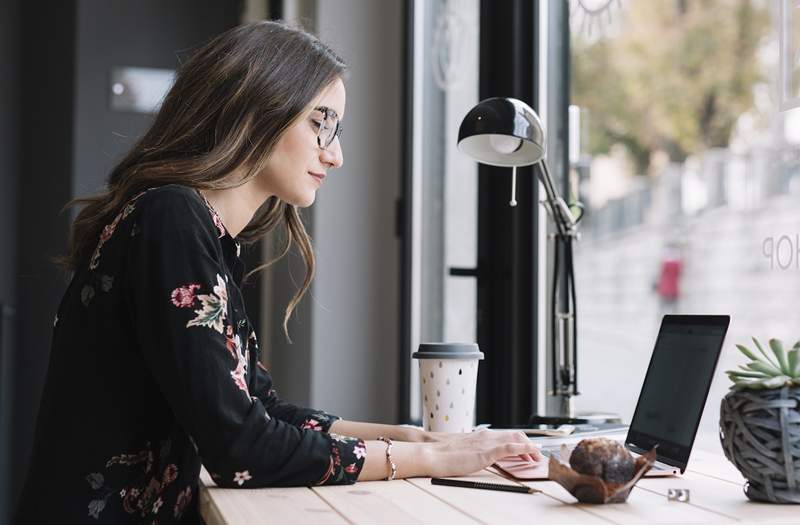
(592,489)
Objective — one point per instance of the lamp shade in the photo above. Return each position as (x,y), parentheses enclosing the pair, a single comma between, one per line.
(502,131)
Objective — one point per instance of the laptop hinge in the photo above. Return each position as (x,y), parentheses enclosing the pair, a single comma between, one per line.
(662,459)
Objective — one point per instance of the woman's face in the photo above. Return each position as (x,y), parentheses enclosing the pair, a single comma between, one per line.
(297,166)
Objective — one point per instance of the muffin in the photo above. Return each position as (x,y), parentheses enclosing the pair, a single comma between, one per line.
(603,458)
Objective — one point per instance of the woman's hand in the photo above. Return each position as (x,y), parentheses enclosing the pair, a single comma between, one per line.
(464,454)
(458,455)
(436,437)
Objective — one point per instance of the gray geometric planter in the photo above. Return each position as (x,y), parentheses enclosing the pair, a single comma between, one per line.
(760,434)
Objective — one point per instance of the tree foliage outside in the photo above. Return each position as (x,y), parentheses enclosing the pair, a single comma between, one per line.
(676,77)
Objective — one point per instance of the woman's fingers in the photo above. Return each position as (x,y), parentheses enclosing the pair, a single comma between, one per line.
(508,443)
(532,452)
(534,456)
(526,451)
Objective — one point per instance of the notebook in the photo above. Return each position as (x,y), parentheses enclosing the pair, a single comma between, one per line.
(671,401)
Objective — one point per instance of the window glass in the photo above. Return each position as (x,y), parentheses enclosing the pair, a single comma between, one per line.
(446,50)
(684,149)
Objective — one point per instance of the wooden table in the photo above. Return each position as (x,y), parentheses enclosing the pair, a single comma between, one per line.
(715,485)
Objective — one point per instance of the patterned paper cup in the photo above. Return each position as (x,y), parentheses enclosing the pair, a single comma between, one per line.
(448,377)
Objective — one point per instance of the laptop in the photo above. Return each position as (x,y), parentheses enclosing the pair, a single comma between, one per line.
(671,402)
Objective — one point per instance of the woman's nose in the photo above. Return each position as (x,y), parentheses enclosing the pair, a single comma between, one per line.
(332,155)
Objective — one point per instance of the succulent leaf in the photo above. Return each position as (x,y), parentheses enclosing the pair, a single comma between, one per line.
(736,373)
(782,368)
(780,355)
(743,349)
(761,349)
(776,382)
(759,366)
(750,385)
(793,358)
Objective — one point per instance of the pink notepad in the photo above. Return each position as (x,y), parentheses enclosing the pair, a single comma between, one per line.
(521,469)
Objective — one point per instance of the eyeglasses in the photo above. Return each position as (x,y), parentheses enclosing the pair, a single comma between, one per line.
(328,128)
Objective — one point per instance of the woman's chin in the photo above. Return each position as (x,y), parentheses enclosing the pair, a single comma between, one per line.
(302,197)
(302,201)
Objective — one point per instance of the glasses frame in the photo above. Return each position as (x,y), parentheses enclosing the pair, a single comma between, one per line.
(337,132)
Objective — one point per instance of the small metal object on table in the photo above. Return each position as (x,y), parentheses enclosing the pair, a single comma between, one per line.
(681,495)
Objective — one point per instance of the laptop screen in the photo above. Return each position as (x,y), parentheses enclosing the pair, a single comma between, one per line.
(677,383)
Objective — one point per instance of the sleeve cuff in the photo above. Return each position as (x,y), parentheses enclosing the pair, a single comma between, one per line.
(347,459)
(318,422)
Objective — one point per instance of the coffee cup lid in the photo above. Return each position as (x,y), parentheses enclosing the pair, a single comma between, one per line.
(448,351)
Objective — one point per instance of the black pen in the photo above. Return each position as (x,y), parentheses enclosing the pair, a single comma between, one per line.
(481,485)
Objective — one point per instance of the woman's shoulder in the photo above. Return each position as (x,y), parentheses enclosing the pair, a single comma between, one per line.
(175,210)
(172,205)
(162,212)
(168,197)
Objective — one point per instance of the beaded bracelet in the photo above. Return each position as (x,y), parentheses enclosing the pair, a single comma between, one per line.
(389,444)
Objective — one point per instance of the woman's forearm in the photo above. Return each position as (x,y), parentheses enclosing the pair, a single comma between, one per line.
(371,431)
(411,460)
(460,455)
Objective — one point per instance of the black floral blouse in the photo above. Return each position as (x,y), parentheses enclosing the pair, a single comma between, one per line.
(155,369)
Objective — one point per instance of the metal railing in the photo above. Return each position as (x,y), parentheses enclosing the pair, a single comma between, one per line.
(717,178)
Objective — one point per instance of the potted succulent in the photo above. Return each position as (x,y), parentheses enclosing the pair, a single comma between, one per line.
(760,422)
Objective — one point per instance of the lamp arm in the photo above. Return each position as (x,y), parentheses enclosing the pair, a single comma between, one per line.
(563,320)
(558,208)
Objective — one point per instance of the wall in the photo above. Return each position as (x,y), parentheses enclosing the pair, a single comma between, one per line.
(9,173)
(45,135)
(113,34)
(355,329)
(289,360)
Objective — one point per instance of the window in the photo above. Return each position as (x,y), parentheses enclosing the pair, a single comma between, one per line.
(470,261)
(684,149)
(444,209)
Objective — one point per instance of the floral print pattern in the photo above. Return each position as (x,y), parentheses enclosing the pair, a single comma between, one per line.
(183,296)
(214,307)
(183,500)
(360,451)
(96,282)
(216,219)
(238,376)
(232,342)
(179,368)
(240,477)
(318,422)
(347,457)
(311,424)
(145,497)
(213,314)
(109,229)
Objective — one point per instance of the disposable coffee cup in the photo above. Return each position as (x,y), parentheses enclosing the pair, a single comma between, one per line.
(448,378)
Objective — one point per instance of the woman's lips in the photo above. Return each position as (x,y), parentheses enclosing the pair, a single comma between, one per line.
(319,176)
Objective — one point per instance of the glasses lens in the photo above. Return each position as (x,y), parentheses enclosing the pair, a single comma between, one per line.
(328,129)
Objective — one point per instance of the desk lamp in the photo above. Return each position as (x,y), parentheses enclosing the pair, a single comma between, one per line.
(507,132)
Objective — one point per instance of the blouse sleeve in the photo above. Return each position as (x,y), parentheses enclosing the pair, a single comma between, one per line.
(177,292)
(303,418)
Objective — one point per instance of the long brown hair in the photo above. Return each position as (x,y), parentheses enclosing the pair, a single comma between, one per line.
(229,105)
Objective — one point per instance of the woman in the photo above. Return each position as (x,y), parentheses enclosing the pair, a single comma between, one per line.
(154,365)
